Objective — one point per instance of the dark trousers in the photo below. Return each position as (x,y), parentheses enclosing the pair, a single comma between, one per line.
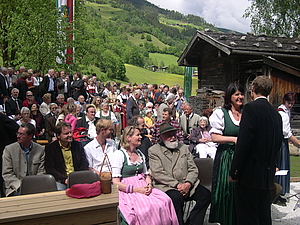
(202,196)
(252,206)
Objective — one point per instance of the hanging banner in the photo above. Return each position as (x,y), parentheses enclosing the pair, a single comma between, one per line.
(65,8)
(188,81)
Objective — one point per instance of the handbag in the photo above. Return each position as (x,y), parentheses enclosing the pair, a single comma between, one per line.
(105,177)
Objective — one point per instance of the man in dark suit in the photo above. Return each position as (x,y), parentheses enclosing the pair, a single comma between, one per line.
(13,105)
(48,85)
(89,121)
(3,86)
(8,130)
(63,85)
(132,107)
(253,165)
(64,156)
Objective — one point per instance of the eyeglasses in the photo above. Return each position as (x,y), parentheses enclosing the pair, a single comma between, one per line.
(21,134)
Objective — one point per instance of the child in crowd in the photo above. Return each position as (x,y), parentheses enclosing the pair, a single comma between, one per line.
(149,121)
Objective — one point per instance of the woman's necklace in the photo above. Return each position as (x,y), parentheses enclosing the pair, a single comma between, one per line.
(130,154)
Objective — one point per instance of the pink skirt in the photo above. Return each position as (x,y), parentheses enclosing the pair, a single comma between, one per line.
(156,208)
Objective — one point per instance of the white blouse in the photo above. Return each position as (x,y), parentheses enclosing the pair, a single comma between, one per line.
(118,160)
(217,122)
(286,126)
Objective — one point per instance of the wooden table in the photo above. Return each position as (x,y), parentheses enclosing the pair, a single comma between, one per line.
(57,208)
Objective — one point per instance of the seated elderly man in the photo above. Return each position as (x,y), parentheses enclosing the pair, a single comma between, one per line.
(174,172)
(21,159)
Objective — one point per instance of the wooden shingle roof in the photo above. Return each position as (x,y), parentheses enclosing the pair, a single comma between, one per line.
(233,43)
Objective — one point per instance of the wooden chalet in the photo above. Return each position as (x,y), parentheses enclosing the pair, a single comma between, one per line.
(224,58)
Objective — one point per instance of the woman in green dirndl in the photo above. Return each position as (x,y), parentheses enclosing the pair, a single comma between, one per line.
(225,127)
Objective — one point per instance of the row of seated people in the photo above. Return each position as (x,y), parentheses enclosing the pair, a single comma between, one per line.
(155,199)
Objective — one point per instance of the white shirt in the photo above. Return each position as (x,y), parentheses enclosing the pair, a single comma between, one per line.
(31,121)
(118,160)
(217,122)
(92,128)
(95,154)
(286,127)
(113,117)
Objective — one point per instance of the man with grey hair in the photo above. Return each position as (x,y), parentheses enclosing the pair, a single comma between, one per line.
(169,101)
(11,78)
(22,158)
(132,107)
(188,121)
(13,105)
(48,84)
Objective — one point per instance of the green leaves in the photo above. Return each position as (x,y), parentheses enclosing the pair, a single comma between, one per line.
(275,17)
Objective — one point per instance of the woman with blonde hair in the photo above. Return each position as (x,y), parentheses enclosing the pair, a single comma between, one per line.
(139,202)
(45,106)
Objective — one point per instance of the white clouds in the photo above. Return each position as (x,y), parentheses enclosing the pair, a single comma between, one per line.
(222,13)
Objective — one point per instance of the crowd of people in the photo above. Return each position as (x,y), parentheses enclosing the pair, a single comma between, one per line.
(151,135)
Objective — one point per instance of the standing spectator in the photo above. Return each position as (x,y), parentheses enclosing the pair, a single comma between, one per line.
(132,107)
(48,84)
(30,81)
(179,99)
(64,156)
(92,89)
(4,86)
(22,86)
(63,85)
(78,86)
(29,100)
(284,157)
(166,118)
(225,128)
(254,161)
(11,78)
(22,158)
(45,106)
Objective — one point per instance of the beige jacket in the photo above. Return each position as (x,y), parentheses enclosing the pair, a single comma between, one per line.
(14,166)
(169,169)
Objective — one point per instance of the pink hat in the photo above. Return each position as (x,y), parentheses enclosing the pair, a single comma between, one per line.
(84,190)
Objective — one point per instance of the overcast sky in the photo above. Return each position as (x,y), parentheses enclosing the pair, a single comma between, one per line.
(221,13)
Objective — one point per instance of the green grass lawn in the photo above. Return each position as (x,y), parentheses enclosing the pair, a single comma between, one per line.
(295,166)
(167,59)
(139,75)
(137,40)
(105,10)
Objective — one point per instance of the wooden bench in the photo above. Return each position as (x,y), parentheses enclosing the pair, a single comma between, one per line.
(55,208)
(42,142)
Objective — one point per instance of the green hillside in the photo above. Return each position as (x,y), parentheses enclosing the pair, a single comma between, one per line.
(139,75)
(167,59)
(136,40)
